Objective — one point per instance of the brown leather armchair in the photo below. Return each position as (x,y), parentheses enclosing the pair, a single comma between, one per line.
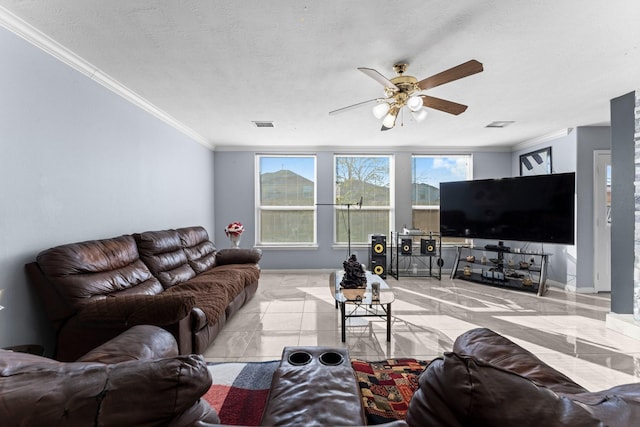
(135,379)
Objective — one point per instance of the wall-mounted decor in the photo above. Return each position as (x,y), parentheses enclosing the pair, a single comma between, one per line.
(536,163)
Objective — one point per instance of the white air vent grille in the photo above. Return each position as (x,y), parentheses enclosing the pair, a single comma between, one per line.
(499,124)
(263,124)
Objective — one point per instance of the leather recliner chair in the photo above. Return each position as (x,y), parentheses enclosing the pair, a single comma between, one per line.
(488,380)
(135,379)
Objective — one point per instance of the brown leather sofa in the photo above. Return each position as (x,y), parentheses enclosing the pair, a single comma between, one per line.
(135,379)
(92,291)
(487,380)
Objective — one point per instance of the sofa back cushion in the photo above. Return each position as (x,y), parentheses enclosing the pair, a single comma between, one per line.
(200,251)
(162,252)
(96,268)
(488,346)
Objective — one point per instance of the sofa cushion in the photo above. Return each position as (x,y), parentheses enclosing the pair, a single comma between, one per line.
(200,251)
(162,252)
(80,271)
(211,297)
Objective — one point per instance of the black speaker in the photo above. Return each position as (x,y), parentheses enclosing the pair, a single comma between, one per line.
(406,245)
(379,265)
(378,244)
(427,246)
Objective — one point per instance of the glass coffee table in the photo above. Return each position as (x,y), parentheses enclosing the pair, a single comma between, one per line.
(362,302)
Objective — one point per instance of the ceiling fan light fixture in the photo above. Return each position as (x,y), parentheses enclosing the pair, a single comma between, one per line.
(414,103)
(420,115)
(380,110)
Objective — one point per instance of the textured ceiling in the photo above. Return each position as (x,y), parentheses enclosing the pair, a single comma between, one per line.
(217,66)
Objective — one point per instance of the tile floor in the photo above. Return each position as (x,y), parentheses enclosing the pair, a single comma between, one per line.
(566,330)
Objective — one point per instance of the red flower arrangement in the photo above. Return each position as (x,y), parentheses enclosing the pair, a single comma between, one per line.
(234,229)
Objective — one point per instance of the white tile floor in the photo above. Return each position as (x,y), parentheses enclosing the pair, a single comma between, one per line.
(566,330)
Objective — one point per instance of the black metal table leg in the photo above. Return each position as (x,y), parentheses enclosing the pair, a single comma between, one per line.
(344,323)
(389,322)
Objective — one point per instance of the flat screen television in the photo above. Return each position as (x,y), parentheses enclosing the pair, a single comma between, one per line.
(538,208)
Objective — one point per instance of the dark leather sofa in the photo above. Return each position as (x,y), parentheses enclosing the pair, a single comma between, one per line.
(94,290)
(487,380)
(136,379)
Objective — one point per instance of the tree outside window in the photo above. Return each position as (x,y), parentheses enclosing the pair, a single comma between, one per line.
(366,178)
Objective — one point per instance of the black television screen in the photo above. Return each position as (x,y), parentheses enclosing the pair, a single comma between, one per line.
(530,208)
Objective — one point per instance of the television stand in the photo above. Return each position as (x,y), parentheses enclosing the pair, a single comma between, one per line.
(498,265)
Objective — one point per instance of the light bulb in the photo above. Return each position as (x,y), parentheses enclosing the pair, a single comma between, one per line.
(389,121)
(419,115)
(380,110)
(414,103)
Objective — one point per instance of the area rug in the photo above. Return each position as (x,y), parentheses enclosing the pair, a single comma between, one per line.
(239,391)
(387,387)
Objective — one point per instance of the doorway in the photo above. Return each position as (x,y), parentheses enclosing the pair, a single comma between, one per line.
(602,220)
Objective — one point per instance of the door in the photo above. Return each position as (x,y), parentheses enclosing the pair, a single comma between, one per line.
(602,220)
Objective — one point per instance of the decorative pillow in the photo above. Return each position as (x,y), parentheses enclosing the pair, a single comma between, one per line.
(387,387)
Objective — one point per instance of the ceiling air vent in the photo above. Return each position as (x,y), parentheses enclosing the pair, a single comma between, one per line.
(263,124)
(499,124)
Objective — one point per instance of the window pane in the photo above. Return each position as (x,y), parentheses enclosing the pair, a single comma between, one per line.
(286,226)
(429,171)
(426,219)
(363,223)
(287,181)
(366,177)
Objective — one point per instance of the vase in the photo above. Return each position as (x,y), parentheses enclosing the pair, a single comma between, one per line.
(235,241)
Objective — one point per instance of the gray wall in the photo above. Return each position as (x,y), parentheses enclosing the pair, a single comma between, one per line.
(622,203)
(234,171)
(78,162)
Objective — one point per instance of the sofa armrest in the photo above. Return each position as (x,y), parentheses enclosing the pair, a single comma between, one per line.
(128,310)
(141,342)
(238,256)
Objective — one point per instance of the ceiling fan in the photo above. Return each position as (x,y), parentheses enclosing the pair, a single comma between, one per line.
(406,91)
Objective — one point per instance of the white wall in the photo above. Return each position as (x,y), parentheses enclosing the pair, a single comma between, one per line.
(78,162)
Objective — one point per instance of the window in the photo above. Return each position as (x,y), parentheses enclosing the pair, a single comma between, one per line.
(427,174)
(366,178)
(286,200)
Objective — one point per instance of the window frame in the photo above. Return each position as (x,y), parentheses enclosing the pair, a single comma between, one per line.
(259,208)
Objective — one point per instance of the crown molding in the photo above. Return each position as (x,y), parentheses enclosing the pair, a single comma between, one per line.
(544,138)
(43,42)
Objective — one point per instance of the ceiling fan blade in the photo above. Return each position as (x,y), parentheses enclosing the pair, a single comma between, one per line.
(378,77)
(443,105)
(354,106)
(463,70)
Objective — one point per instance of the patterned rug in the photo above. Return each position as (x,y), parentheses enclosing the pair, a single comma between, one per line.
(387,387)
(240,390)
